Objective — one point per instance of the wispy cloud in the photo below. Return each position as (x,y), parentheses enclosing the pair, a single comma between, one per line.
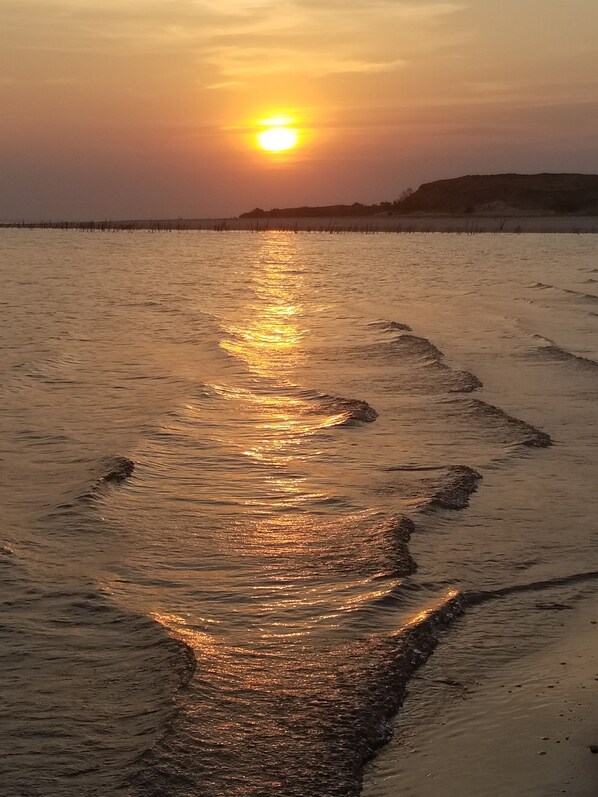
(315,37)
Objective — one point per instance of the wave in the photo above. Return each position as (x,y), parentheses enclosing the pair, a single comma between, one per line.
(70,633)
(350,713)
(455,486)
(559,353)
(591,297)
(445,487)
(348,410)
(407,344)
(117,469)
(399,532)
(390,326)
(474,598)
(552,350)
(114,471)
(353,713)
(524,433)
(466,382)
(405,651)
(427,371)
(586,297)
(307,401)
(415,346)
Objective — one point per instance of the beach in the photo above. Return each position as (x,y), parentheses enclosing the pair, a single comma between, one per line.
(298,399)
(528,728)
(281,509)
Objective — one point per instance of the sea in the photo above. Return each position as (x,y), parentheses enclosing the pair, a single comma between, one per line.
(251,482)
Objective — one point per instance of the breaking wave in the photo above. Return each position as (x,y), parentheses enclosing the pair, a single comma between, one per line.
(116,470)
(553,351)
(113,472)
(444,487)
(390,326)
(349,410)
(522,433)
(591,298)
(453,488)
(407,345)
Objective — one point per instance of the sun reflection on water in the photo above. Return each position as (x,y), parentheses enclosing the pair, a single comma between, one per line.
(268,340)
(267,337)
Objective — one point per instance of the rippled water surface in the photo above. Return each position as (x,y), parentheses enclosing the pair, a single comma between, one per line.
(250,481)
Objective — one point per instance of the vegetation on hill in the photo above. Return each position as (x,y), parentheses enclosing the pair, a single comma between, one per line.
(495,194)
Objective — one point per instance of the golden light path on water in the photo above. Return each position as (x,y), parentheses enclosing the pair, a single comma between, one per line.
(280,570)
(268,341)
(278,425)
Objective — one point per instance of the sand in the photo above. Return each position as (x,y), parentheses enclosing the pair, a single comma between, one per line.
(528,730)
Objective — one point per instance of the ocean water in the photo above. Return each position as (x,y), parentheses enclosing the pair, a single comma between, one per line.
(250,482)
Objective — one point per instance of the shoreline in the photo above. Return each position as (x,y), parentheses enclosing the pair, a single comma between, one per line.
(548,695)
(470,225)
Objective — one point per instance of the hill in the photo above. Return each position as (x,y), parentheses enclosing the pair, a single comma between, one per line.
(485,195)
(559,194)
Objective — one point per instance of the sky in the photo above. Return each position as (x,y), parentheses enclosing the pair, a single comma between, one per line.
(126,109)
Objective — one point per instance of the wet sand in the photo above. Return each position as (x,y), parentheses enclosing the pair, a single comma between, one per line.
(529,729)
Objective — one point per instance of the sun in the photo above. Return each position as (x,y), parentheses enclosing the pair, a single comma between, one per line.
(278,135)
(278,139)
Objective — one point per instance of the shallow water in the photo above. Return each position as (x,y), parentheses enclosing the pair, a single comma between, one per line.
(235,477)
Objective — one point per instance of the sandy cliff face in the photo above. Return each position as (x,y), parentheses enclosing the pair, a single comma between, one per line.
(480,195)
(559,194)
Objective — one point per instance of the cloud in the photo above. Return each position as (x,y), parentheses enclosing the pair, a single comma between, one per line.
(239,38)
(248,62)
(327,37)
(406,10)
(224,84)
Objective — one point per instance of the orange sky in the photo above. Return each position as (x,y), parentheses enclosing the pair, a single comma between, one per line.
(148,108)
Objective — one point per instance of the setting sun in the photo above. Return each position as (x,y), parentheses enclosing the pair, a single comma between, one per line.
(278,139)
(278,136)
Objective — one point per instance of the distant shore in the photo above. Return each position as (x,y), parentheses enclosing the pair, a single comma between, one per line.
(366,224)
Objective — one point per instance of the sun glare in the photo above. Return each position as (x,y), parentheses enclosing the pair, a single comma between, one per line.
(278,135)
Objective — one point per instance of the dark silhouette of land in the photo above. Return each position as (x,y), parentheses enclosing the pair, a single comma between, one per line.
(535,203)
(475,195)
